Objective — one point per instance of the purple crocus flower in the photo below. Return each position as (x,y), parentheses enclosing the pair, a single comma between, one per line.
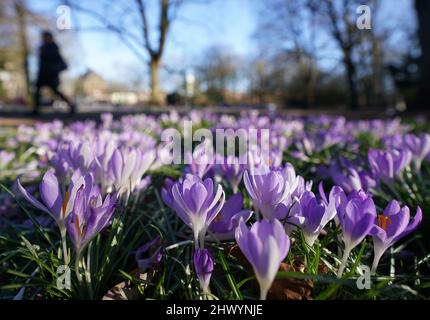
(228,218)
(348,181)
(349,176)
(257,157)
(419,146)
(311,216)
(305,147)
(197,202)
(5,158)
(79,155)
(270,191)
(386,165)
(55,203)
(356,214)
(124,168)
(204,266)
(90,213)
(166,193)
(107,119)
(232,170)
(60,165)
(265,246)
(289,174)
(201,160)
(144,261)
(391,226)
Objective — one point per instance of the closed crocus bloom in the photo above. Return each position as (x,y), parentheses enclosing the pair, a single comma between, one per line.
(228,218)
(103,172)
(166,193)
(203,266)
(90,214)
(356,214)
(289,174)
(265,246)
(386,165)
(80,155)
(232,170)
(149,255)
(419,146)
(392,225)
(311,216)
(126,168)
(270,191)
(201,160)
(197,202)
(60,165)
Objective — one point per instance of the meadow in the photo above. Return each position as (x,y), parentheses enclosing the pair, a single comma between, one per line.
(333,209)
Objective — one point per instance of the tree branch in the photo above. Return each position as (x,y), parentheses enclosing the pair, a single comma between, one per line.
(145,26)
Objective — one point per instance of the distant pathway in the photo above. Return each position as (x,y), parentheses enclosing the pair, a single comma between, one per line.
(17,115)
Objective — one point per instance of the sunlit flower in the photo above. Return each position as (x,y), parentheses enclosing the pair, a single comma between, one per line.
(270,191)
(197,202)
(390,227)
(228,218)
(204,266)
(90,213)
(356,214)
(265,246)
(311,216)
(386,165)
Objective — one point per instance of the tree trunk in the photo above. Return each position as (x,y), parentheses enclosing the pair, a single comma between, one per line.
(311,85)
(155,83)
(423,12)
(24,50)
(377,76)
(351,79)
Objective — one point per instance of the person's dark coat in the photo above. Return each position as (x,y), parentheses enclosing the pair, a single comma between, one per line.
(50,65)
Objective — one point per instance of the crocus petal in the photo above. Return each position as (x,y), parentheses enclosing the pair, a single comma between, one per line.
(417,219)
(51,194)
(32,199)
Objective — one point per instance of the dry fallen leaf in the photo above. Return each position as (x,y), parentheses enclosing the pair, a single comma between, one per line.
(290,288)
(127,290)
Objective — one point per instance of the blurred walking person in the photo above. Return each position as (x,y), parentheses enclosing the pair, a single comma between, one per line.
(51,63)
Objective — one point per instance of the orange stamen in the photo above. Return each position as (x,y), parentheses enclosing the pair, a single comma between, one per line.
(65,201)
(217,217)
(78,227)
(383,221)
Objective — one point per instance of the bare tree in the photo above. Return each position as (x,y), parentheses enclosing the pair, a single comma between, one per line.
(268,79)
(312,32)
(423,12)
(217,73)
(146,41)
(21,14)
(287,28)
(343,29)
(17,22)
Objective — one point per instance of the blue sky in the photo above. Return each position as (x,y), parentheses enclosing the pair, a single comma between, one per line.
(227,23)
